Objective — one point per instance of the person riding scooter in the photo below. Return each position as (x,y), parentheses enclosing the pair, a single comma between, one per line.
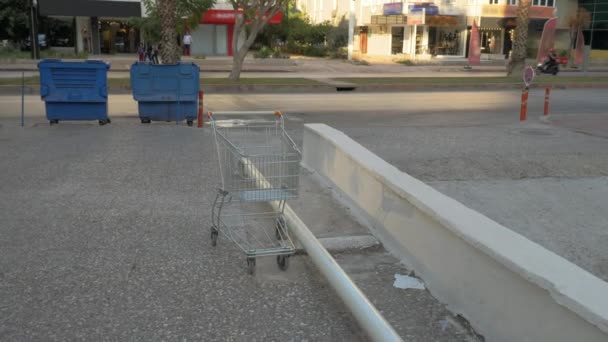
(550,65)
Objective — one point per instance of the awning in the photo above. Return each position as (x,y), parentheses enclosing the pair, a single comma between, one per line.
(388,19)
(90,8)
(509,23)
(444,21)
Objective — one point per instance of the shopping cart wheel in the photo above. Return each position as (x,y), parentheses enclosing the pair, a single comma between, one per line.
(189,123)
(279,232)
(214,235)
(251,265)
(283,262)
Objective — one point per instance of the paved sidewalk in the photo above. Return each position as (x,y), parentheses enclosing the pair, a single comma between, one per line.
(105,236)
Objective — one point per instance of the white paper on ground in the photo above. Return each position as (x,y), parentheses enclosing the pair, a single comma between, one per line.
(407,282)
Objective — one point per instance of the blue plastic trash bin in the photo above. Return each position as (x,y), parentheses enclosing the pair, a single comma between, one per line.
(74,90)
(166,92)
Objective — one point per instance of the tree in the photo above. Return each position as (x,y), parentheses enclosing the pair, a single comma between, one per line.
(179,14)
(14,19)
(168,32)
(250,17)
(580,20)
(520,42)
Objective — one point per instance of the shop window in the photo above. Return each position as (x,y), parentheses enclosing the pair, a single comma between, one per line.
(445,41)
(512,2)
(493,2)
(543,3)
(491,41)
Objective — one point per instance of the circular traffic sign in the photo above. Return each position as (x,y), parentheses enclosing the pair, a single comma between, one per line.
(529,75)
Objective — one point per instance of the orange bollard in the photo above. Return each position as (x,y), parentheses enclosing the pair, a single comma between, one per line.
(524,105)
(547,93)
(200,120)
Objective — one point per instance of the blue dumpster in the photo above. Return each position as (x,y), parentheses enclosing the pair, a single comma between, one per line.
(166,92)
(74,90)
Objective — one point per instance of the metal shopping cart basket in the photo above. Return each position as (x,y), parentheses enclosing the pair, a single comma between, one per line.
(259,163)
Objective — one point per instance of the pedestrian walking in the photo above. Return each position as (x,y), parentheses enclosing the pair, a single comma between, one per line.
(187,42)
(141,53)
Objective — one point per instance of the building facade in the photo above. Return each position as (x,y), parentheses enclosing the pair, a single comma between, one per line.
(102,26)
(425,29)
(95,26)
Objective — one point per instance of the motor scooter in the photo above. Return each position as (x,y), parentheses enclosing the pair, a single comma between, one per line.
(549,66)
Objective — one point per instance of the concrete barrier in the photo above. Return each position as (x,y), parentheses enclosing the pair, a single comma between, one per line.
(508,287)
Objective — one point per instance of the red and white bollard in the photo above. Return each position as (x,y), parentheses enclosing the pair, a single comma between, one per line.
(547,93)
(200,120)
(524,105)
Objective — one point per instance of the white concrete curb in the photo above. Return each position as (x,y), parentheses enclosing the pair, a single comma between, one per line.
(510,288)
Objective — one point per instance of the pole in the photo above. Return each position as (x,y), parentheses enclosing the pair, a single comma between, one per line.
(33,32)
(200,122)
(524,105)
(592,25)
(351,29)
(22,99)
(547,93)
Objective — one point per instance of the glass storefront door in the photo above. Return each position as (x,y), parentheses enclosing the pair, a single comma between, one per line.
(397,35)
(118,37)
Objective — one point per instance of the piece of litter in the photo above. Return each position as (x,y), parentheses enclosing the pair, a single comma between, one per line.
(444,324)
(407,282)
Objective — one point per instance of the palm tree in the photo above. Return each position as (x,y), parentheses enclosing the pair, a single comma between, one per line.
(520,42)
(169,51)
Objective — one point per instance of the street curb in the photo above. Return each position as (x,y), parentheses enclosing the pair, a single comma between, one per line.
(324,88)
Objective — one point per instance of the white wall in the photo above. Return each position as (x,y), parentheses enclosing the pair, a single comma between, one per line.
(378,44)
(508,287)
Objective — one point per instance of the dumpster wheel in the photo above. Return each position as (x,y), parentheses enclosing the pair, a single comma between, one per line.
(53,122)
(190,123)
(103,122)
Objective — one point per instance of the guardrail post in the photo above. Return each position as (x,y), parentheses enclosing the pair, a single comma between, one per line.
(547,93)
(524,105)
(201,119)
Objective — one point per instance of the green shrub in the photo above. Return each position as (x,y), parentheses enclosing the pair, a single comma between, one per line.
(315,51)
(339,53)
(264,52)
(406,61)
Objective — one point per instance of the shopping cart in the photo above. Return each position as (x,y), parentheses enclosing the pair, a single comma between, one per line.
(259,163)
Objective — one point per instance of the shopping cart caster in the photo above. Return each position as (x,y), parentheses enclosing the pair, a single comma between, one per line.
(280,232)
(189,123)
(251,265)
(283,262)
(53,122)
(214,235)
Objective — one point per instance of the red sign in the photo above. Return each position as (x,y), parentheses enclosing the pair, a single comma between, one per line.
(547,39)
(217,16)
(474,46)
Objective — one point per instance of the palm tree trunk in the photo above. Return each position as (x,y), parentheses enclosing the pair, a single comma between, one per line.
(520,43)
(169,52)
